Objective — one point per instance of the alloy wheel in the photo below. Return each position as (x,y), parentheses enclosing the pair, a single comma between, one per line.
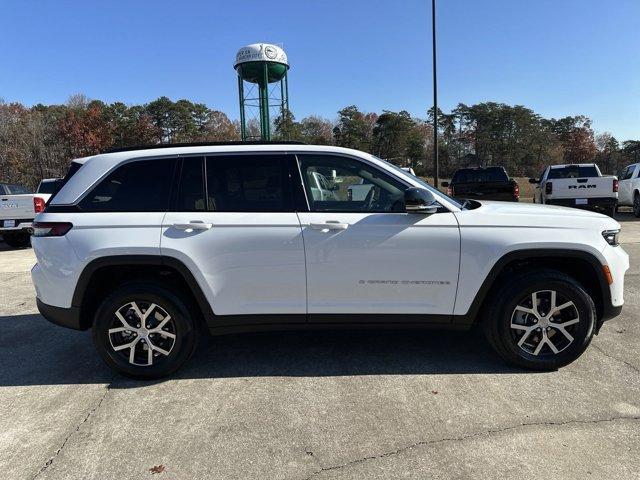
(544,323)
(143,333)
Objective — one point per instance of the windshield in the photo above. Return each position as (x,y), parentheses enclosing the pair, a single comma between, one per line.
(480,175)
(424,184)
(574,171)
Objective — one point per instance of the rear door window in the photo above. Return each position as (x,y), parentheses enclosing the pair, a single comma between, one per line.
(248,183)
(191,192)
(138,186)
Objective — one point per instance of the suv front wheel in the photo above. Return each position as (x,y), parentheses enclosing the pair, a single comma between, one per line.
(542,320)
(143,331)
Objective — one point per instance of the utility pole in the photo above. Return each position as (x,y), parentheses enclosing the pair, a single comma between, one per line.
(436,162)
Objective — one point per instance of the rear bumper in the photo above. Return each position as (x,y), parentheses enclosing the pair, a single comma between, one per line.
(604,203)
(64,317)
(21,224)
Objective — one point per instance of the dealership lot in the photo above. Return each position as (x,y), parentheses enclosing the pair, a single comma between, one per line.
(316,405)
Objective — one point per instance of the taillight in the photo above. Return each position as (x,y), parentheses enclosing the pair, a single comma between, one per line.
(450,191)
(615,185)
(516,191)
(51,229)
(548,188)
(38,204)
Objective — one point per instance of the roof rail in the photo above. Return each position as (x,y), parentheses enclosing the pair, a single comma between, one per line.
(201,144)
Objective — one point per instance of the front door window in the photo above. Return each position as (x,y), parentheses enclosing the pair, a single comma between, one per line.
(342,184)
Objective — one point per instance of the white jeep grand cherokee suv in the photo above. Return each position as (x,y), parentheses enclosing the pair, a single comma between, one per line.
(151,248)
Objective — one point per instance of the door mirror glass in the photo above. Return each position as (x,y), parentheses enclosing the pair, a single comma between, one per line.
(419,200)
(445,184)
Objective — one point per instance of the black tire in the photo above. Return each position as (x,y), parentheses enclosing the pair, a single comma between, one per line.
(183,327)
(17,239)
(502,306)
(636,205)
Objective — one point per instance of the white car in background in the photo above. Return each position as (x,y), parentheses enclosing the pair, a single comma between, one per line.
(629,188)
(18,208)
(577,185)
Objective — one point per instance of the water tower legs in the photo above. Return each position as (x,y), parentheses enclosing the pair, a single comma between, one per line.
(265,122)
(243,125)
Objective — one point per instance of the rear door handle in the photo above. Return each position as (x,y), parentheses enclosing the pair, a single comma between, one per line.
(191,226)
(329,225)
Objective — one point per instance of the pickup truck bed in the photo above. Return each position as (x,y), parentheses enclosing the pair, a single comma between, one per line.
(579,186)
(484,183)
(16,216)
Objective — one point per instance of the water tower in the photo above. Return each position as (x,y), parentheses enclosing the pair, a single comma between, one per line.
(263,66)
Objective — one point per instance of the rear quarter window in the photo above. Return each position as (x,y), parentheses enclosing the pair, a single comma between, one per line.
(138,186)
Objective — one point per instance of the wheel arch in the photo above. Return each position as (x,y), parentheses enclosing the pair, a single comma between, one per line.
(585,267)
(104,273)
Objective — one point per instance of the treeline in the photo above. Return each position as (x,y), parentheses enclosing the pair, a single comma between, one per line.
(484,134)
(39,141)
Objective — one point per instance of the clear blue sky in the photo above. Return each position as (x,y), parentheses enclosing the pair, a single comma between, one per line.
(558,57)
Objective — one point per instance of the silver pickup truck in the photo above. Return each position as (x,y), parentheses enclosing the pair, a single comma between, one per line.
(18,208)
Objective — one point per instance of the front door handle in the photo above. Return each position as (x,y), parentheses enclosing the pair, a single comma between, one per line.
(191,226)
(329,225)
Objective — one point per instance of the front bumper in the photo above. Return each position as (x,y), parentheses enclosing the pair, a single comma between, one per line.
(64,317)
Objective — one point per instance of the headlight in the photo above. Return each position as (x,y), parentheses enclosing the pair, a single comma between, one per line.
(611,236)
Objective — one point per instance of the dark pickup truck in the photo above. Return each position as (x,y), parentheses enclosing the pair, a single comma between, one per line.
(483,183)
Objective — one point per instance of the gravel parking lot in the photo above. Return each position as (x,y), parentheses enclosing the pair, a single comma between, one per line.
(316,405)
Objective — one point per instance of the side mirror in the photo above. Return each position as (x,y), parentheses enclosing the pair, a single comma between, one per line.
(445,184)
(420,200)
(534,180)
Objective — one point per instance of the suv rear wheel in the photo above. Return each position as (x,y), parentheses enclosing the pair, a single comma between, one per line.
(144,331)
(542,320)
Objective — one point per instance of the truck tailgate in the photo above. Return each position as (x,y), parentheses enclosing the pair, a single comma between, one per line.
(486,190)
(590,187)
(16,206)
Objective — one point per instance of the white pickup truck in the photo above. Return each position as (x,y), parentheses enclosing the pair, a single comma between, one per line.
(18,208)
(578,185)
(629,195)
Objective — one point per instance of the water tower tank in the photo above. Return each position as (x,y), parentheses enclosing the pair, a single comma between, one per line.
(252,60)
(262,64)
